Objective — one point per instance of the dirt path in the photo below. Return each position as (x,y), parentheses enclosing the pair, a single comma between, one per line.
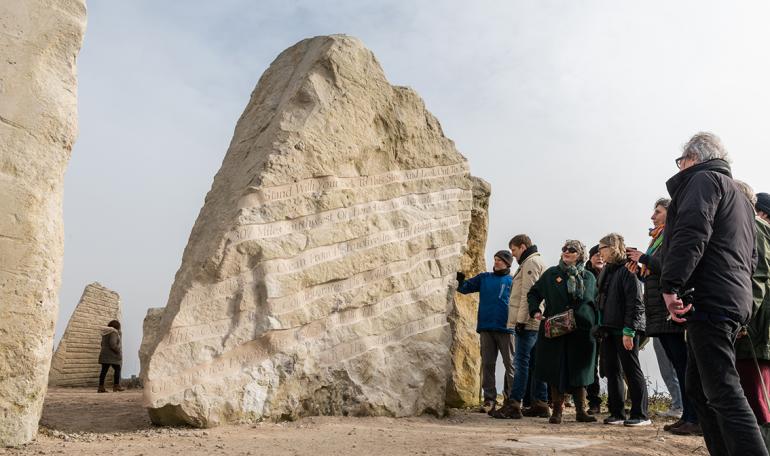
(82,422)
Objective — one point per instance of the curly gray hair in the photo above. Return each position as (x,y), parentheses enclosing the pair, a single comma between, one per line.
(704,146)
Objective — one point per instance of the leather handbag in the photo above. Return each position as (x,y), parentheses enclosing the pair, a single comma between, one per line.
(560,324)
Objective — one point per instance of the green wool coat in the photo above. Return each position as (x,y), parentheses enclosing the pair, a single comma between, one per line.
(580,345)
(759,326)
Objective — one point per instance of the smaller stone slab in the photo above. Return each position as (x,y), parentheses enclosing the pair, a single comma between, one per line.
(76,361)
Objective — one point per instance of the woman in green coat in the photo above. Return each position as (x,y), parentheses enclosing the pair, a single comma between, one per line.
(566,362)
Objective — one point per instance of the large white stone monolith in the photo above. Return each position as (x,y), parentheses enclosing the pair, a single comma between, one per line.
(320,272)
(39,42)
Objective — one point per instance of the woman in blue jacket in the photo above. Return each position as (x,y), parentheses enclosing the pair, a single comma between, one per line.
(494,290)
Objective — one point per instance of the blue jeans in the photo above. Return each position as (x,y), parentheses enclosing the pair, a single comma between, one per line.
(523,361)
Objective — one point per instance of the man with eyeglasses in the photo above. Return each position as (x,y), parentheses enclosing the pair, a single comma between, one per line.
(710,248)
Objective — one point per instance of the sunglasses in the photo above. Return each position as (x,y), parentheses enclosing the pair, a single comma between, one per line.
(569,249)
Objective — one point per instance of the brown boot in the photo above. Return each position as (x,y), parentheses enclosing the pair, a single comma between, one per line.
(580,407)
(101,389)
(511,409)
(488,407)
(117,388)
(539,409)
(557,399)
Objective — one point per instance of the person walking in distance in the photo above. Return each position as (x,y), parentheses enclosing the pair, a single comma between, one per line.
(531,266)
(495,335)
(710,248)
(111,355)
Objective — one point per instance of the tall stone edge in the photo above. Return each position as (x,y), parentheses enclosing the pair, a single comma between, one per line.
(464,383)
(39,43)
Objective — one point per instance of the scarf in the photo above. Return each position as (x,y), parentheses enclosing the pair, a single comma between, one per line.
(657,240)
(575,285)
(501,272)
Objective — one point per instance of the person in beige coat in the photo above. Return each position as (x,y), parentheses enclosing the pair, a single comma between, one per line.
(531,266)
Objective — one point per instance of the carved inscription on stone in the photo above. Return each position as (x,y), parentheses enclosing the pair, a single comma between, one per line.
(320,272)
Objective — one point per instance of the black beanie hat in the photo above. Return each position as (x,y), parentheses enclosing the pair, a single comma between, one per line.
(763,202)
(506,256)
(594,250)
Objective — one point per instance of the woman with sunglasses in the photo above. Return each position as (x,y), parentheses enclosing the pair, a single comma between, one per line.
(566,362)
(622,319)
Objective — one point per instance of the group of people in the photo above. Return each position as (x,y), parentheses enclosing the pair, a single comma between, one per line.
(698,290)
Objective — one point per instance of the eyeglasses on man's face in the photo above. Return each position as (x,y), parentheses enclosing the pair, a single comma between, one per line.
(679,160)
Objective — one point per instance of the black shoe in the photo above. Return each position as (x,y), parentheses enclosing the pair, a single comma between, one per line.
(635,422)
(595,410)
(687,429)
(672,426)
(614,420)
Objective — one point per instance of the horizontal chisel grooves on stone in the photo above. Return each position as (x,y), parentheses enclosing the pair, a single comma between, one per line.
(320,184)
(328,294)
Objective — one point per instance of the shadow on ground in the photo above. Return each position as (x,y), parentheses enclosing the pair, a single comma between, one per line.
(85,410)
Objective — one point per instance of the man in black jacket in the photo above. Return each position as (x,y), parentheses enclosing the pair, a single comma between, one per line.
(710,246)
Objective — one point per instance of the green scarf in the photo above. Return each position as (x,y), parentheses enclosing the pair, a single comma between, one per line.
(575,285)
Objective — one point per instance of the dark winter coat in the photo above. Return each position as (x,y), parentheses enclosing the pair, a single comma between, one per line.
(620,299)
(654,307)
(579,346)
(759,326)
(710,242)
(494,296)
(112,352)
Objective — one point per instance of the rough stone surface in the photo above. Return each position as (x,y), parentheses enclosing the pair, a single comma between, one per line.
(320,272)
(464,383)
(150,330)
(39,40)
(76,361)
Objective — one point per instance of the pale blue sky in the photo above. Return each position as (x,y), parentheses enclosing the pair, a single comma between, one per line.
(574,111)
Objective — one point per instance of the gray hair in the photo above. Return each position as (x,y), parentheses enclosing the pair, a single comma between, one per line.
(747,191)
(704,147)
(662,202)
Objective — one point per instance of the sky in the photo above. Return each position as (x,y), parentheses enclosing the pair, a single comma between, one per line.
(573,111)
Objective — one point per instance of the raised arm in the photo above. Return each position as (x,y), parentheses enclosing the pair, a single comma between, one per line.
(472,285)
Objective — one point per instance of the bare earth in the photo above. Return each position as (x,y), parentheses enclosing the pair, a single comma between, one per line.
(82,422)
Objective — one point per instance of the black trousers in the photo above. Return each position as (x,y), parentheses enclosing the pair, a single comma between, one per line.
(618,361)
(593,390)
(115,370)
(676,350)
(714,387)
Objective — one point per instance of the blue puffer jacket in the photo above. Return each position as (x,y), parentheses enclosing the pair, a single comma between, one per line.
(494,296)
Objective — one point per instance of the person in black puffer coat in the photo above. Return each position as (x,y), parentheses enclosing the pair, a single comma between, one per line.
(622,321)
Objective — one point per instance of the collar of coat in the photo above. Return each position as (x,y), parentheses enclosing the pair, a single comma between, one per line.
(682,177)
(527,253)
